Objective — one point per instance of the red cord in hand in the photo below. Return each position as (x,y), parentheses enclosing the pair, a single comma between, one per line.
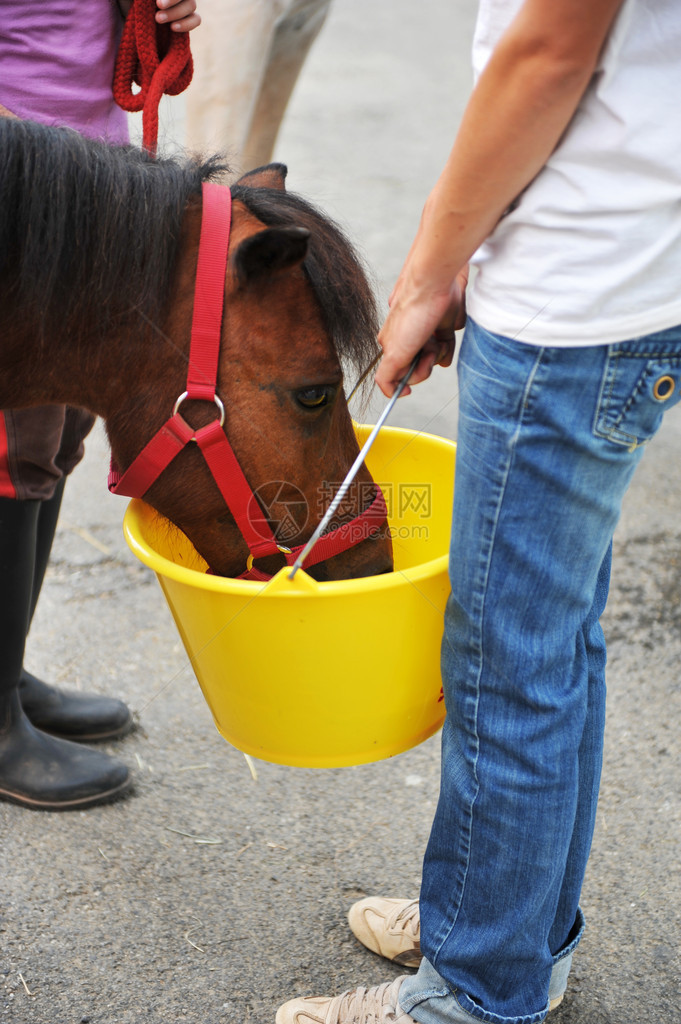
(156,59)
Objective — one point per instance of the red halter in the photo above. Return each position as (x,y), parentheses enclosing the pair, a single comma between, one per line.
(211,439)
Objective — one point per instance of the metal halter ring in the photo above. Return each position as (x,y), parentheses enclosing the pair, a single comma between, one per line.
(218,402)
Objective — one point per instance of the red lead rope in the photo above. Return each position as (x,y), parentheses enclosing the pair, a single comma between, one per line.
(156,59)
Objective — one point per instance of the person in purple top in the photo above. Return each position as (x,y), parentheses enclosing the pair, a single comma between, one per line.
(56,67)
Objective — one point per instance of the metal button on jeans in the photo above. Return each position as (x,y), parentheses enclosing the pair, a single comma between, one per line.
(664,387)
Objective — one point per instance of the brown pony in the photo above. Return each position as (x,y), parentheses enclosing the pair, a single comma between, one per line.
(98,252)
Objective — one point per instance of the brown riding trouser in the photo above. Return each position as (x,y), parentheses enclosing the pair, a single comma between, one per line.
(39,446)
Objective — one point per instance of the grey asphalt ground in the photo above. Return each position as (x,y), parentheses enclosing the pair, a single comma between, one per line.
(210,897)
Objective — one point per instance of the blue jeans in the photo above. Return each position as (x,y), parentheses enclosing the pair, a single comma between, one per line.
(548,441)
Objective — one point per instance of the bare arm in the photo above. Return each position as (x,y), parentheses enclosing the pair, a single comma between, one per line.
(523,102)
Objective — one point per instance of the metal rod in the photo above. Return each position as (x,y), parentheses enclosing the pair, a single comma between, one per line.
(352,473)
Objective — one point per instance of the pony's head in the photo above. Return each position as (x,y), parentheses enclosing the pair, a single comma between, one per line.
(298,310)
(98,257)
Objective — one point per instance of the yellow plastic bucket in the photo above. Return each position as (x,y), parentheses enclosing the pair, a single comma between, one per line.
(322,675)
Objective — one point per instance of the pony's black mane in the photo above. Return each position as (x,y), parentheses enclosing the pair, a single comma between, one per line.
(89,234)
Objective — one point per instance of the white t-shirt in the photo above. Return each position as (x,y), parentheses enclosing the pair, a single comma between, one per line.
(592,252)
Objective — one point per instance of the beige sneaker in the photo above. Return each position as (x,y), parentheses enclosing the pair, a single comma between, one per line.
(376,1005)
(388,927)
(392,928)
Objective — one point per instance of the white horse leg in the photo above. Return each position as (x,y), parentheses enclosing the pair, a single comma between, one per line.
(230,50)
(295,33)
(247,56)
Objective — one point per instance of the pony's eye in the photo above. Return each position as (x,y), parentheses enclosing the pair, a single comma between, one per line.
(313,398)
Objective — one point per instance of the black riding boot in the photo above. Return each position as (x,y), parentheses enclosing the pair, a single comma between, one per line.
(37,770)
(66,713)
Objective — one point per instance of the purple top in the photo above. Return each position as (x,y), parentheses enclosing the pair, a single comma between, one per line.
(56,64)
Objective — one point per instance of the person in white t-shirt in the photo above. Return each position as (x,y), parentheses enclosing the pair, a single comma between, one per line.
(563,189)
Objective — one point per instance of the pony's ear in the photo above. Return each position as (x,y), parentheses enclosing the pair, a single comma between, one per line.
(270,250)
(270,176)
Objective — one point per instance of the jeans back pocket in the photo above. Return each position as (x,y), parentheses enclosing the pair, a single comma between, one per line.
(639,385)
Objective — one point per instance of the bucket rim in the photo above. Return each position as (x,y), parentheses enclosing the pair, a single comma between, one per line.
(162,566)
(302,585)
